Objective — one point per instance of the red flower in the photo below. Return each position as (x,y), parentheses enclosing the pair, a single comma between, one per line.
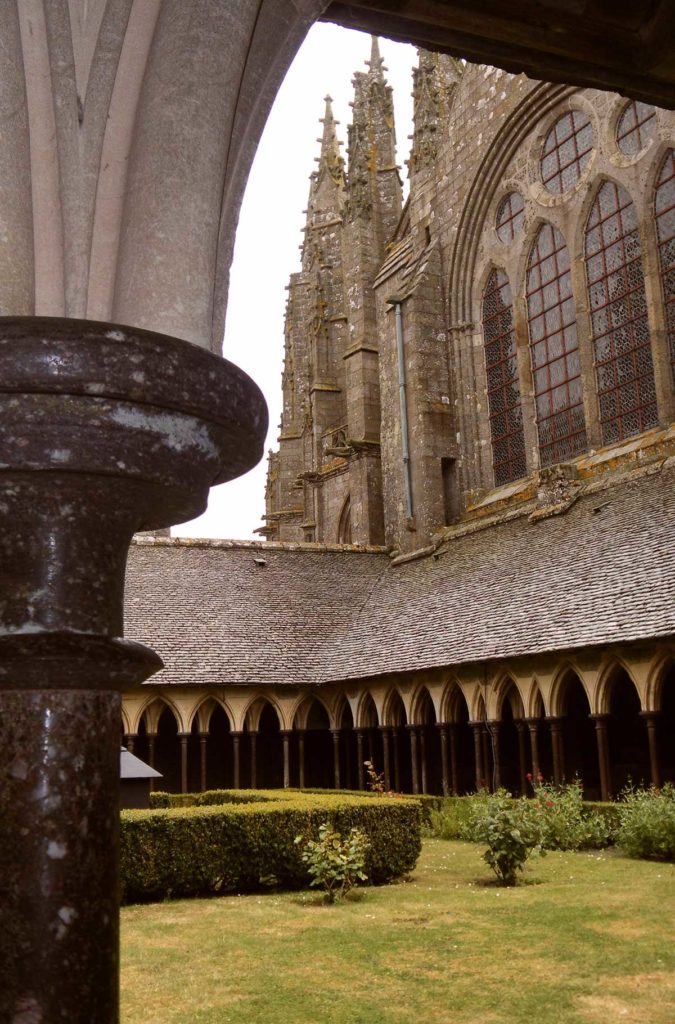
(529,776)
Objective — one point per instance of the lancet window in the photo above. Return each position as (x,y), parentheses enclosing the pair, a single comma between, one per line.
(618,309)
(554,349)
(664,210)
(503,387)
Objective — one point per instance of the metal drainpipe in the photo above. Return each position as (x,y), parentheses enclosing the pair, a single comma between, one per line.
(407,474)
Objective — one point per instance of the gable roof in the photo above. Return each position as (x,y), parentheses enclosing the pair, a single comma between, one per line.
(602,573)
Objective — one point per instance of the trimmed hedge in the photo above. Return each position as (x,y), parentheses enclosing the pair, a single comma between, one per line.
(246,847)
(448,817)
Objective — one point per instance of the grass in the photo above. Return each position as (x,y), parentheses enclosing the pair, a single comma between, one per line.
(586,940)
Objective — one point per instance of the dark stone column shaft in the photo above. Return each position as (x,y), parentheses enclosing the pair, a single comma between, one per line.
(336,758)
(386,757)
(414,759)
(478,754)
(254,759)
(654,768)
(236,760)
(203,738)
(445,780)
(58,879)
(360,759)
(397,760)
(286,740)
(301,759)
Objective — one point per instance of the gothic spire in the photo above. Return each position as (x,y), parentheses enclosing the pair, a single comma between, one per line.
(371,135)
(434,81)
(330,157)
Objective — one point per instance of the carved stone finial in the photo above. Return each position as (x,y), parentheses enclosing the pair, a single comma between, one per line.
(434,81)
(330,157)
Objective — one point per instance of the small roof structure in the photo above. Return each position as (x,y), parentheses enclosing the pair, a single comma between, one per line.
(131,767)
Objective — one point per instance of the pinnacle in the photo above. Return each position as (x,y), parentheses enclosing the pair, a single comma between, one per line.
(376,62)
(330,145)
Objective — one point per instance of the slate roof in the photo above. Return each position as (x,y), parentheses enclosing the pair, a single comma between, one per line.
(602,573)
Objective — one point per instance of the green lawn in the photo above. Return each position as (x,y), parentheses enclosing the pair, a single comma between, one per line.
(587,940)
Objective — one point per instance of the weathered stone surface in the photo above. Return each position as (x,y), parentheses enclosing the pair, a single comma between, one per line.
(59,801)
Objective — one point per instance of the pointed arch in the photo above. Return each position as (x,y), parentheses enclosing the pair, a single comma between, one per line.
(624,366)
(503,385)
(554,348)
(393,710)
(664,215)
(366,712)
(344,531)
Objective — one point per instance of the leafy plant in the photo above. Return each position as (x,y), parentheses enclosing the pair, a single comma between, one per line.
(375,779)
(511,829)
(647,823)
(335,863)
(563,822)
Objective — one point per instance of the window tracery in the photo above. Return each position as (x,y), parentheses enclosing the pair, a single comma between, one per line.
(635,127)
(618,308)
(664,211)
(566,151)
(554,349)
(510,217)
(503,386)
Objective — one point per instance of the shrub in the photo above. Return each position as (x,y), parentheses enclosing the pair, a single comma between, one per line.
(563,822)
(242,847)
(511,829)
(647,823)
(335,863)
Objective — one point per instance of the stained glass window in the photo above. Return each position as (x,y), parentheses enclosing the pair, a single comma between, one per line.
(506,418)
(664,210)
(567,150)
(510,216)
(635,127)
(554,349)
(618,307)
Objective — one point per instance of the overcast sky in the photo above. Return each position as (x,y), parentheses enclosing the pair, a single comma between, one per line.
(270,233)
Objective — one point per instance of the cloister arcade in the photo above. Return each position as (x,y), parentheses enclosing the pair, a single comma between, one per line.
(606,720)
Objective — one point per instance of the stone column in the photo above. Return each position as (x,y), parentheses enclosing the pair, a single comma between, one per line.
(414,758)
(183,738)
(423,758)
(485,751)
(286,740)
(360,759)
(452,735)
(478,754)
(650,718)
(254,758)
(336,758)
(397,760)
(94,448)
(556,749)
(493,735)
(522,756)
(203,737)
(386,755)
(533,726)
(301,758)
(129,741)
(445,779)
(603,756)
(236,759)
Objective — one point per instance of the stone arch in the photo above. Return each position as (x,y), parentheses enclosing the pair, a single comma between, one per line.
(369,738)
(573,733)
(543,99)
(344,529)
(311,725)
(665,722)
(425,720)
(455,719)
(366,712)
(344,723)
(510,732)
(627,741)
(264,718)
